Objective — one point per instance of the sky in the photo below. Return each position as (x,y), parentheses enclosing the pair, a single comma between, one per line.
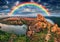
(52,5)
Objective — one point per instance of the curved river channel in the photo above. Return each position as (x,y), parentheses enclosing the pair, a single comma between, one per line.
(14,28)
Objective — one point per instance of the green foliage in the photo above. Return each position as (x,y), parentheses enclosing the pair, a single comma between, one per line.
(24,22)
(38,37)
(20,38)
(4,37)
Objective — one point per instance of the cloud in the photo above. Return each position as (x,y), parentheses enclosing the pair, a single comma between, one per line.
(17,2)
(29,10)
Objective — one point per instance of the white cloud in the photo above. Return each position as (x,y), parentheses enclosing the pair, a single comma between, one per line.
(17,2)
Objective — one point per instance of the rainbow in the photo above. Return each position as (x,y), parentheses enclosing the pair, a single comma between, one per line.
(28,3)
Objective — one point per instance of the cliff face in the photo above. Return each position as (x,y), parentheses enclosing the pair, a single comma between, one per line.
(40,25)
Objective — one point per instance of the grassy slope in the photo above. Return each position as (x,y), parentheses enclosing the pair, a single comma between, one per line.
(38,37)
(7,37)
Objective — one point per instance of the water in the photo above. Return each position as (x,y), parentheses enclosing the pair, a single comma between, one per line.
(14,28)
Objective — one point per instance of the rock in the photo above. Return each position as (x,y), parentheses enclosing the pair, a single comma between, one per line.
(40,18)
(54,28)
(38,24)
(30,33)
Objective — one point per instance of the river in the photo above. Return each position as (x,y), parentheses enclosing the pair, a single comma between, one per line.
(16,29)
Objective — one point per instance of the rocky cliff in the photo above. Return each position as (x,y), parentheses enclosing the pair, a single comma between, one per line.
(48,30)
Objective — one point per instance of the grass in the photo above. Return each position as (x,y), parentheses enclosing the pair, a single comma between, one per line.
(38,37)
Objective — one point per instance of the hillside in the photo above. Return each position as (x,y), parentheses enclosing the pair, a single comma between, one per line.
(39,30)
